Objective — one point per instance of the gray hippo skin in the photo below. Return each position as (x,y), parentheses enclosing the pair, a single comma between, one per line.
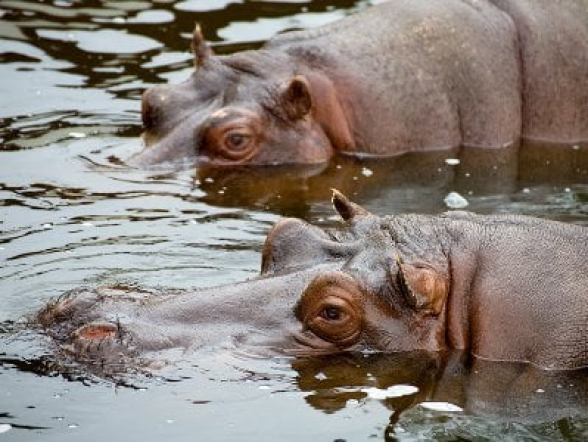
(501,287)
(401,76)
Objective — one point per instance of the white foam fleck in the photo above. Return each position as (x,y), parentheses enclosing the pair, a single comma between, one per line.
(390,392)
(5,428)
(321,376)
(455,201)
(441,406)
(366,172)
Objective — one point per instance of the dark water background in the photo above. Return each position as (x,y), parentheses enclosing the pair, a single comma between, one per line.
(71,76)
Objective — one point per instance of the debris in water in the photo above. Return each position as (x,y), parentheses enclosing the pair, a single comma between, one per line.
(455,201)
(390,392)
(366,172)
(321,376)
(452,161)
(441,406)
(5,428)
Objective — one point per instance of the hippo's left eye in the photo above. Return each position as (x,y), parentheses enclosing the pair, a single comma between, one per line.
(237,144)
(331,313)
(231,135)
(331,308)
(237,141)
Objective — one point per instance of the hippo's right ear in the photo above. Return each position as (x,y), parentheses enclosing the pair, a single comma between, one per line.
(296,98)
(200,48)
(423,287)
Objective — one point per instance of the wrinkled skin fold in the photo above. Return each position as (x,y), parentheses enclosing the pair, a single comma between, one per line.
(501,287)
(401,76)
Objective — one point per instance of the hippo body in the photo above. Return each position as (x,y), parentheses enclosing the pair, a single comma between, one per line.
(400,76)
(500,287)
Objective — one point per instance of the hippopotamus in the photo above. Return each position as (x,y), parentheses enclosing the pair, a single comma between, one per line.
(499,287)
(401,76)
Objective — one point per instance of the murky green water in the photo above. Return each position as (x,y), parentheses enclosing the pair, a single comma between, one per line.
(71,75)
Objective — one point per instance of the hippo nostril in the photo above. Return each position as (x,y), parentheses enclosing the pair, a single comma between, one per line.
(96,331)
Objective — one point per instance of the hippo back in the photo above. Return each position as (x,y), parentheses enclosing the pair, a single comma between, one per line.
(443,74)
(553,38)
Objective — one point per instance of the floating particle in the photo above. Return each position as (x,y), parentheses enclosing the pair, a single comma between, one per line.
(441,406)
(321,376)
(366,172)
(5,428)
(390,392)
(455,201)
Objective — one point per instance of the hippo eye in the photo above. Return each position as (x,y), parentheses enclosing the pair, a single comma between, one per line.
(331,309)
(237,141)
(331,313)
(237,144)
(231,135)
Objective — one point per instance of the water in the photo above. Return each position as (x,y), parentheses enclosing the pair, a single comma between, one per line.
(71,215)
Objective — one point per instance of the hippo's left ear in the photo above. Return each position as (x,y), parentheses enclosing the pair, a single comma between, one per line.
(423,287)
(296,98)
(348,210)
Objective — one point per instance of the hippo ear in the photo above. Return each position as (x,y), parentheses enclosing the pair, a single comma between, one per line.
(423,287)
(200,48)
(347,209)
(296,98)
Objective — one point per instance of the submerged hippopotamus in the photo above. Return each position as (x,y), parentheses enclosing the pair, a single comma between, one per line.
(502,287)
(401,76)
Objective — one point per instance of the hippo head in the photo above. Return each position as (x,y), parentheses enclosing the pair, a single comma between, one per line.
(373,285)
(254,107)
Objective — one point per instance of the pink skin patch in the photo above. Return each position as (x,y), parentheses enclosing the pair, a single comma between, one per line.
(97,331)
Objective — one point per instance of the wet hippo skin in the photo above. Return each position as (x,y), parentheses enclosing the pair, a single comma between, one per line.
(401,76)
(499,287)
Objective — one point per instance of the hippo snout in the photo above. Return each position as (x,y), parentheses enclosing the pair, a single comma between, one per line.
(78,324)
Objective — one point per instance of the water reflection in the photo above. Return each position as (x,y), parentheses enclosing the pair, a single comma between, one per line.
(489,179)
(551,403)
